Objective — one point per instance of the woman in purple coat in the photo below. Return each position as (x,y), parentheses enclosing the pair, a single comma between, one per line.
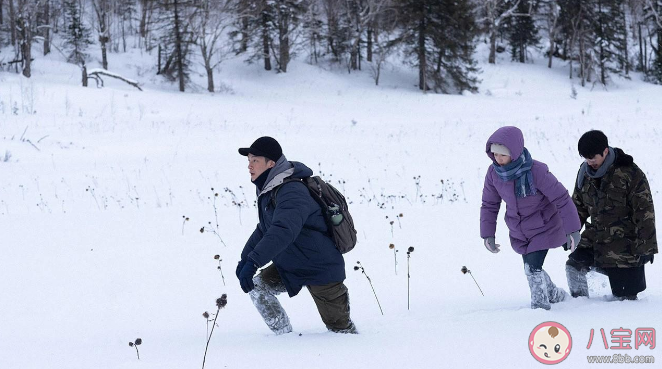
(539,212)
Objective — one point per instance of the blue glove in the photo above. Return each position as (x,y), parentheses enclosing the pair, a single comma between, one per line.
(490,245)
(246,276)
(572,241)
(240,266)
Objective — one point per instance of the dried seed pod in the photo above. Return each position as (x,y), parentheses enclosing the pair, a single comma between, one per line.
(222,301)
(217,257)
(410,249)
(464,270)
(131,344)
(205,315)
(391,246)
(139,341)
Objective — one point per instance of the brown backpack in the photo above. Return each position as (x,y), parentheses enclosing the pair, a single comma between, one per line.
(339,222)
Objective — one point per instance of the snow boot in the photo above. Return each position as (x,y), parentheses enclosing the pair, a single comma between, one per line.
(264,299)
(576,275)
(555,294)
(539,289)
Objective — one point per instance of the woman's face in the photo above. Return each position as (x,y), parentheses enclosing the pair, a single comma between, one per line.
(502,159)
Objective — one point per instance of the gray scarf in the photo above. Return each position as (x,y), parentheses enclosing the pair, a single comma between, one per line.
(279,172)
(585,169)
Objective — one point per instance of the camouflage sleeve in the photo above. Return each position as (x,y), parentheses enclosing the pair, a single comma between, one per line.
(579,204)
(643,214)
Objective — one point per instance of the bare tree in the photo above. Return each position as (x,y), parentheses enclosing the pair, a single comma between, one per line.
(102,9)
(25,18)
(12,22)
(655,11)
(212,18)
(495,13)
(45,26)
(362,14)
(551,14)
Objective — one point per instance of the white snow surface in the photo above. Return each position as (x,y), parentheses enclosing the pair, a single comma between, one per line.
(95,251)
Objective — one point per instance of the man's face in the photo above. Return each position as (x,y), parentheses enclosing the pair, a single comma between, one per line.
(257,165)
(502,159)
(596,161)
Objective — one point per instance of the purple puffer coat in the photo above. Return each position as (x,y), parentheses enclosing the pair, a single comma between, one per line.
(536,222)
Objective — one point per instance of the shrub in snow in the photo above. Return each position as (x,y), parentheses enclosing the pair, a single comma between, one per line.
(464,270)
(220,303)
(409,251)
(218,257)
(186,219)
(135,344)
(360,267)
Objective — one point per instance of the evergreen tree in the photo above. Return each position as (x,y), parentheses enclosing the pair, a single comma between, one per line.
(610,33)
(577,27)
(522,32)
(456,69)
(77,37)
(438,39)
(177,39)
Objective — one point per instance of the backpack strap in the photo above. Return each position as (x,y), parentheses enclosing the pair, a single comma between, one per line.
(274,192)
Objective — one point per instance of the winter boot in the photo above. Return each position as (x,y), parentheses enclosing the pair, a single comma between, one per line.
(264,299)
(539,289)
(349,330)
(576,275)
(556,294)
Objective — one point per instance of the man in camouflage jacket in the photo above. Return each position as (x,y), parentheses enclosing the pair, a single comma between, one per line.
(620,237)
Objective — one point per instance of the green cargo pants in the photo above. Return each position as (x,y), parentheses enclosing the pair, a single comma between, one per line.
(332,302)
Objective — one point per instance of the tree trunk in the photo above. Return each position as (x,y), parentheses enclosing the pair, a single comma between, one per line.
(1,15)
(178,48)
(627,57)
(642,67)
(244,35)
(26,45)
(354,55)
(493,38)
(12,22)
(84,75)
(582,60)
(422,62)
(522,53)
(158,58)
(143,18)
(551,51)
(369,51)
(47,29)
(266,42)
(104,54)
(284,40)
(210,79)
(123,36)
(103,35)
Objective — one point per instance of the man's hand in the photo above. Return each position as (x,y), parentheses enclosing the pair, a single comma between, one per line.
(246,276)
(240,265)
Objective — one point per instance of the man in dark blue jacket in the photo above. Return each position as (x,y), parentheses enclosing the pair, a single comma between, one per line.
(292,234)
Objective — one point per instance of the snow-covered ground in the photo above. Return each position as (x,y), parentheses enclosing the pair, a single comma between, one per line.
(96,182)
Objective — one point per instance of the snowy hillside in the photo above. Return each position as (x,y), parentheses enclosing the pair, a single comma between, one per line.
(97,183)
